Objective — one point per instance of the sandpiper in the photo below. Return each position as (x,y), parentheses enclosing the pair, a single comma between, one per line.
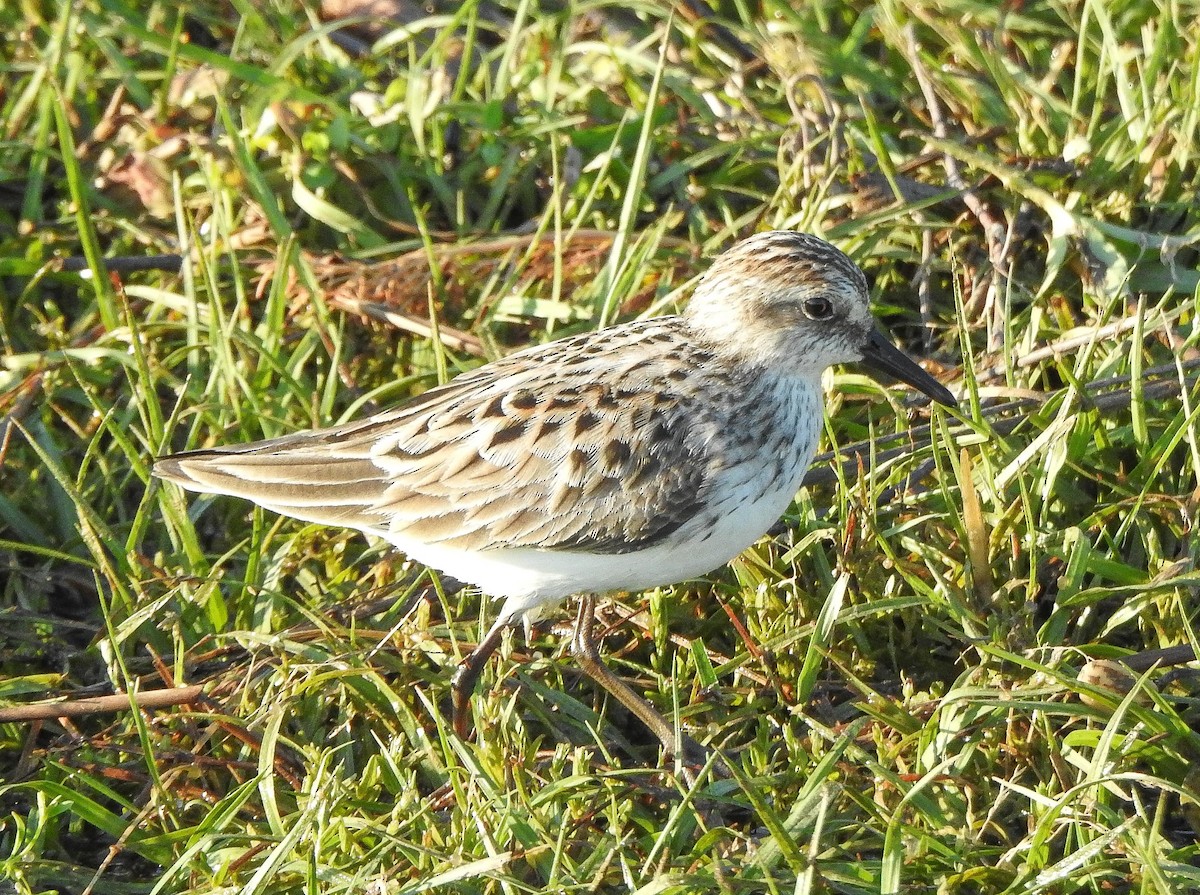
(623,459)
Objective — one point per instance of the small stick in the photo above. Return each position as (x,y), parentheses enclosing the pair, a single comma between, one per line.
(1163,658)
(118,702)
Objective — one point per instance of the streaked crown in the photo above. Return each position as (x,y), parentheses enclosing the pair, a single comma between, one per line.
(786,299)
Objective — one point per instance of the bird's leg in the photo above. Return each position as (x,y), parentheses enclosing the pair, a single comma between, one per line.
(586,651)
(466,676)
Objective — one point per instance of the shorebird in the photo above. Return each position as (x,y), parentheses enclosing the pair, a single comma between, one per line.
(623,459)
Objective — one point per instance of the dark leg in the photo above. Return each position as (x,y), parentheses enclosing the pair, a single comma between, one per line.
(466,676)
(587,653)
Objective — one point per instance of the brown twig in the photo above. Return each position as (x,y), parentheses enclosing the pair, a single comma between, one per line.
(119,702)
(1163,658)
(1074,339)
(125,263)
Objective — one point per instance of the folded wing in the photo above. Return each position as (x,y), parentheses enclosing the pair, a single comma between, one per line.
(516,454)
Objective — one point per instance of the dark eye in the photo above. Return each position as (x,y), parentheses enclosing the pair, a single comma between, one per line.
(818,308)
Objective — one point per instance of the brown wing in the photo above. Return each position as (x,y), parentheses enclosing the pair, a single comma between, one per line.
(583,444)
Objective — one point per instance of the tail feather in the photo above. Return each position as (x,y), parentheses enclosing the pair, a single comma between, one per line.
(329,489)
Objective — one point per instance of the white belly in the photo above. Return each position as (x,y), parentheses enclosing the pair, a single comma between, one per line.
(528,578)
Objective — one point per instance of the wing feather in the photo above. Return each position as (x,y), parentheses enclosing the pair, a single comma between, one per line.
(582,444)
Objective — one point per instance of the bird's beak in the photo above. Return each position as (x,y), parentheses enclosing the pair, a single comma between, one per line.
(880,354)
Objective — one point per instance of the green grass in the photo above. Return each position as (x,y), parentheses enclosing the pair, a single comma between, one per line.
(898,700)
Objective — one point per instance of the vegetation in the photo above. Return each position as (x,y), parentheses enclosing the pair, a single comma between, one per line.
(892,676)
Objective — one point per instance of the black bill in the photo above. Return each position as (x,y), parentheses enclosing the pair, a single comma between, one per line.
(880,354)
